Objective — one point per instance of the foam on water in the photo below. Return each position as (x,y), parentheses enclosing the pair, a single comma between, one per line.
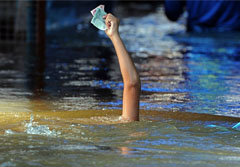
(75,147)
(9,131)
(33,128)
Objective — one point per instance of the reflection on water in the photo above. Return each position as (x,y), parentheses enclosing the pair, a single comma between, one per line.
(62,108)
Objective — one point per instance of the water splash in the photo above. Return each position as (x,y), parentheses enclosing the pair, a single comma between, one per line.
(9,131)
(33,128)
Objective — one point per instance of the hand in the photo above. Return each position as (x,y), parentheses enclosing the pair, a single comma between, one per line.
(112,24)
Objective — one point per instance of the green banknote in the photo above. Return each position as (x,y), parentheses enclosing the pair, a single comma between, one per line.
(98,20)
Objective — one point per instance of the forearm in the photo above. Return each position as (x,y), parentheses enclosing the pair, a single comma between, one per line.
(127,67)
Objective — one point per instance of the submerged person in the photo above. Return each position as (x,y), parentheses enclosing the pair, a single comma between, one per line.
(131,81)
(205,16)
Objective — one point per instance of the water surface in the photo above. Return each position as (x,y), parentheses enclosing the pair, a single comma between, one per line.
(62,108)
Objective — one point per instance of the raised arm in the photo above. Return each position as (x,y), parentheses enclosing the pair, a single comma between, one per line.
(132,85)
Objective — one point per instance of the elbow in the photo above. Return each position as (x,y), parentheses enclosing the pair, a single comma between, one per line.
(133,83)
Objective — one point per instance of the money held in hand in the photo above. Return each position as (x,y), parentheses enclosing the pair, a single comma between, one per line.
(97,19)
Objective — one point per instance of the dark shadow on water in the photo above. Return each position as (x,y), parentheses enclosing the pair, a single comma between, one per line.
(72,71)
(35,69)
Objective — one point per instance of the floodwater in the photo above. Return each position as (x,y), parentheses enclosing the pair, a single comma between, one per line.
(62,108)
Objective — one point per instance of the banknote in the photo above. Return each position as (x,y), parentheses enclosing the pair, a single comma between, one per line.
(98,20)
(94,10)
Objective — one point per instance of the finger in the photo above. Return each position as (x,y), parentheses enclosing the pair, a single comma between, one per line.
(109,16)
(109,24)
(107,20)
(105,16)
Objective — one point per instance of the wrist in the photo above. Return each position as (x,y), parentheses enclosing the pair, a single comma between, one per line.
(114,36)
